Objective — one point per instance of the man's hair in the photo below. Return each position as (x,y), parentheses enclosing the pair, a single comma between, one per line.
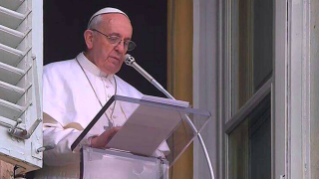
(95,22)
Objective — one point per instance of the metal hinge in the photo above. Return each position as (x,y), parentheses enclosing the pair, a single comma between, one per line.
(23,133)
(44,148)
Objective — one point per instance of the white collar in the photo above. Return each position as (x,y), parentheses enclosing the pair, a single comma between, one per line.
(90,67)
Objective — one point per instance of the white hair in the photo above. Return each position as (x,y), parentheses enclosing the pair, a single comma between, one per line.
(95,22)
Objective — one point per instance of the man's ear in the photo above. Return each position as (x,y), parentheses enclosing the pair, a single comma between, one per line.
(88,37)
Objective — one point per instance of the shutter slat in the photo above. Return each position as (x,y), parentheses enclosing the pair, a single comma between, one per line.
(10,18)
(10,55)
(10,37)
(10,93)
(7,122)
(10,110)
(10,74)
(11,4)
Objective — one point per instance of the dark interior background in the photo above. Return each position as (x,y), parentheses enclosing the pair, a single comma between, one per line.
(66,21)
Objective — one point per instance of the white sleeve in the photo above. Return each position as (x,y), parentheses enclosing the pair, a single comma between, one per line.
(62,139)
(60,128)
(162,151)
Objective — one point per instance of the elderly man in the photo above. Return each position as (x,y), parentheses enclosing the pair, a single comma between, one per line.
(75,90)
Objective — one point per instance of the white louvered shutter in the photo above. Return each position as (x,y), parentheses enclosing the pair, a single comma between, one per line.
(21,61)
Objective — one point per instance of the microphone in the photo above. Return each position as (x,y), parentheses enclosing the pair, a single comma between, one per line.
(130,61)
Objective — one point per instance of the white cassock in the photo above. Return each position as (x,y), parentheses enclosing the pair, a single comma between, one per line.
(69,104)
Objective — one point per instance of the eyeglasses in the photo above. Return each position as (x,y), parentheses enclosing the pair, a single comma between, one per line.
(115,40)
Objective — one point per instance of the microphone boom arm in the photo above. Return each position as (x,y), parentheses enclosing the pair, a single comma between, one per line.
(130,61)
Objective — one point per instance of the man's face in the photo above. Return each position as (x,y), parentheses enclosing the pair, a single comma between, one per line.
(109,57)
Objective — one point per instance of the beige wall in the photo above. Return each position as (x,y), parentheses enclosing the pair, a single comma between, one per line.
(180,84)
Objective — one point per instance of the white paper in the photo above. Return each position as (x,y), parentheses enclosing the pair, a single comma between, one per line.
(145,130)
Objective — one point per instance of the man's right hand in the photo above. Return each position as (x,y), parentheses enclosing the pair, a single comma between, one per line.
(101,140)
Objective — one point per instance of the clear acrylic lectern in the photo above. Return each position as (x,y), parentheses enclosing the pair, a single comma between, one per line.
(154,133)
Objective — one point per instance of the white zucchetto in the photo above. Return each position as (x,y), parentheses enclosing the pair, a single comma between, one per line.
(107,10)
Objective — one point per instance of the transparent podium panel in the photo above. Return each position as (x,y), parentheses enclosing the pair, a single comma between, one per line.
(152,127)
(106,163)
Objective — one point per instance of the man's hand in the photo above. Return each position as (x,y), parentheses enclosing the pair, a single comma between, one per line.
(101,140)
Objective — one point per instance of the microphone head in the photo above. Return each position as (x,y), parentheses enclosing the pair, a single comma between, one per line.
(129,60)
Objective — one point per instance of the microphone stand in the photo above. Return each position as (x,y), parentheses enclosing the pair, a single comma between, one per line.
(130,61)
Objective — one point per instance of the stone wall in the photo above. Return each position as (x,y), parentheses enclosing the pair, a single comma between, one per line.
(6,170)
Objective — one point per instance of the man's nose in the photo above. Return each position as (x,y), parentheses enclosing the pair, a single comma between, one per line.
(120,47)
